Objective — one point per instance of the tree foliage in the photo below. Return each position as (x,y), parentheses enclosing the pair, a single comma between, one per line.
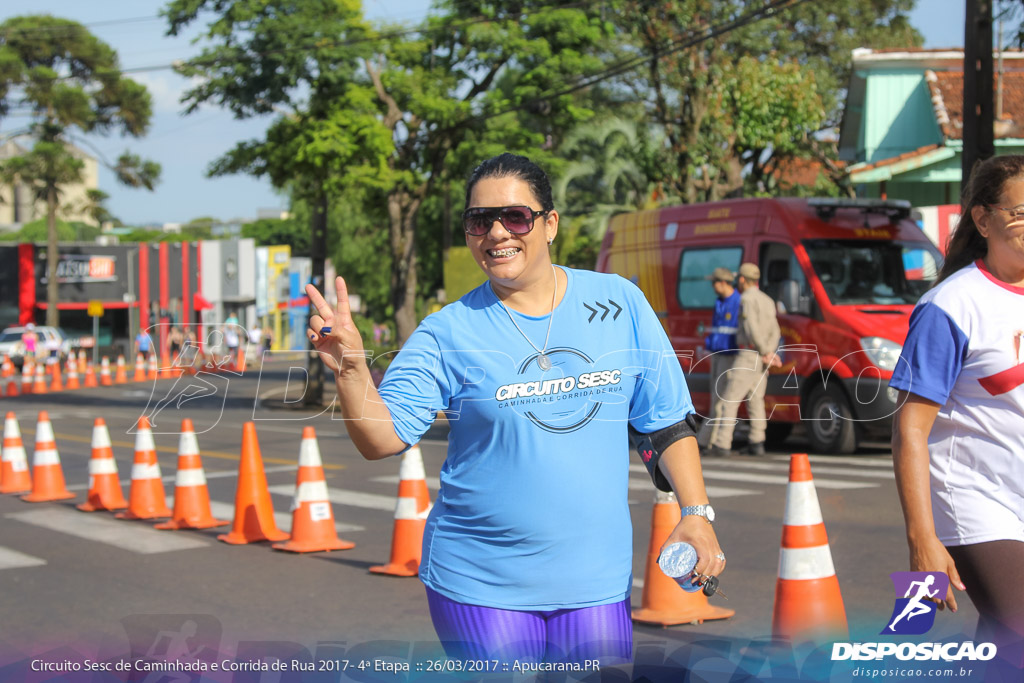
(70,81)
(736,87)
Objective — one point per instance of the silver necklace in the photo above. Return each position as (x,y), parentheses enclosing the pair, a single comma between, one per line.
(543,362)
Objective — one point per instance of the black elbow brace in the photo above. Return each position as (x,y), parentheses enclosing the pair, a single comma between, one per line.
(651,446)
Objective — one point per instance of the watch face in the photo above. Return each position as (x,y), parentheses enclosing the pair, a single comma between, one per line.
(709,512)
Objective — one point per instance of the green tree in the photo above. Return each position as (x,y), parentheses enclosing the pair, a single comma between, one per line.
(271,231)
(479,78)
(296,58)
(95,206)
(70,81)
(737,87)
(392,114)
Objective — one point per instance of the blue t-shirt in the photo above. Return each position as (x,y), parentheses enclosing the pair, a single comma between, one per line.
(723,325)
(532,512)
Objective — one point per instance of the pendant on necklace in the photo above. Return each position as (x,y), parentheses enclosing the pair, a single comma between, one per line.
(543,362)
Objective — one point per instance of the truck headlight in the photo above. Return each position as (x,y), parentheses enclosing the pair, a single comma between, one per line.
(883,352)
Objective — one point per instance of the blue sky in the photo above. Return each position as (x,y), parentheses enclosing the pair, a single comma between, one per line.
(185,145)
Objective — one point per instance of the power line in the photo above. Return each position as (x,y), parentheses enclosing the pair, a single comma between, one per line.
(72,26)
(630,64)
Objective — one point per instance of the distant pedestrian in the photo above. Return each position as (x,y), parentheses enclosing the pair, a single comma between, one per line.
(721,342)
(175,338)
(143,343)
(747,378)
(30,339)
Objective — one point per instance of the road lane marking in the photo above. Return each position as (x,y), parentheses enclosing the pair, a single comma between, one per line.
(283,520)
(135,538)
(781,480)
(209,475)
(360,499)
(866,461)
(845,471)
(12,559)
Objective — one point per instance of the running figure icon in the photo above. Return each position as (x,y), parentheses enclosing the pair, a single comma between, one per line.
(916,607)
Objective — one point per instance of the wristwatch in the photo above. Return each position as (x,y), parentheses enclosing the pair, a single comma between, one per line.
(705,511)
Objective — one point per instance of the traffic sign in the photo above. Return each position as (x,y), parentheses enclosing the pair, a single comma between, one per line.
(95,308)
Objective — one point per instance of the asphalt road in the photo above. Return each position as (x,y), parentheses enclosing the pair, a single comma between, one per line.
(82,587)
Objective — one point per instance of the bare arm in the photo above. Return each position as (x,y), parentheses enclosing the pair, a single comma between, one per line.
(914,421)
(680,463)
(366,416)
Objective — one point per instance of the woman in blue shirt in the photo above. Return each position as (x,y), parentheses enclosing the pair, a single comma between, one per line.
(527,553)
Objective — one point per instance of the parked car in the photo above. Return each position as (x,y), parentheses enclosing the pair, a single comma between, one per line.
(13,347)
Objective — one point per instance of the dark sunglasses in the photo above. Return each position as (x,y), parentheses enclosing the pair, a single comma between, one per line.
(518,220)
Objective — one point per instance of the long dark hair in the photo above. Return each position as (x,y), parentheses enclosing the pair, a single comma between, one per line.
(508,165)
(985,187)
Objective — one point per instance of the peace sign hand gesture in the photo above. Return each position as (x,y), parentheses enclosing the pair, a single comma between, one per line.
(334,334)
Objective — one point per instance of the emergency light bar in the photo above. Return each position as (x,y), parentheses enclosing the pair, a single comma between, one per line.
(826,207)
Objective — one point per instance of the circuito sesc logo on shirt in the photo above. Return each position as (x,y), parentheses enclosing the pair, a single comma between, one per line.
(914,612)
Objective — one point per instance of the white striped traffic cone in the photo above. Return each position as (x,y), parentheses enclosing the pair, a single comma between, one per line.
(104,483)
(312,519)
(146,499)
(14,476)
(105,378)
(808,602)
(411,510)
(47,475)
(191,496)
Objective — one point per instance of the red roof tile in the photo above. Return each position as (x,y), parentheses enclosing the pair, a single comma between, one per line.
(947,88)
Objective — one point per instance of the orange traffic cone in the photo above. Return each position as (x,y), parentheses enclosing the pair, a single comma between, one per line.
(14,476)
(312,520)
(165,366)
(104,372)
(411,512)
(153,367)
(104,484)
(240,362)
(121,376)
(56,383)
(140,368)
(81,358)
(27,376)
(72,382)
(90,376)
(808,603)
(146,499)
(40,384)
(664,602)
(10,374)
(191,497)
(47,475)
(254,512)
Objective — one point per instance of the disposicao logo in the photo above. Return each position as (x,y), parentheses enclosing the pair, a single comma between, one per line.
(914,614)
(914,611)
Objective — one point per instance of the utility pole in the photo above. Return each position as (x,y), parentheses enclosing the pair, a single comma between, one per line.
(979,121)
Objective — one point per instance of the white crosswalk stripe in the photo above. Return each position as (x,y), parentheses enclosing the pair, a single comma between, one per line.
(12,559)
(361,499)
(209,475)
(731,470)
(135,538)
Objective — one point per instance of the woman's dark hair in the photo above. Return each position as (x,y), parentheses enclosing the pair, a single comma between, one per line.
(985,187)
(508,165)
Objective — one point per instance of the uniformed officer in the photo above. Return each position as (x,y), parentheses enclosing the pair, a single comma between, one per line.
(758,339)
(721,342)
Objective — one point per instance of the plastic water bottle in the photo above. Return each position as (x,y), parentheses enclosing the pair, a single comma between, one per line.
(678,561)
